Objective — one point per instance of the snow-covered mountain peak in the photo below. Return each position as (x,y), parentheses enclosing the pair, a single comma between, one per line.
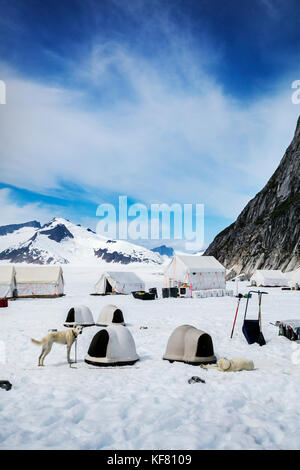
(61,241)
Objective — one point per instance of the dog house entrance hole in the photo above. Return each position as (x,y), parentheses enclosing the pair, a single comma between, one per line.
(205,346)
(71,316)
(99,344)
(118,316)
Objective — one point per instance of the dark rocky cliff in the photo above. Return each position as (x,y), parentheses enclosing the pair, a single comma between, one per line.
(266,234)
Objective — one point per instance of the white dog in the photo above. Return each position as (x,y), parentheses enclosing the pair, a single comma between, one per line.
(62,337)
(231,365)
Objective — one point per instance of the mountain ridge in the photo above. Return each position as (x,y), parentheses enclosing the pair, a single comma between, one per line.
(5,229)
(61,242)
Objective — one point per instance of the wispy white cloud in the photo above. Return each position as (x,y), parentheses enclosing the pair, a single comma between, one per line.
(171,139)
(12,212)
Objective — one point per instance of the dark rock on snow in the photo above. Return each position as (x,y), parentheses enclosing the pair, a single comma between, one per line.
(6,229)
(58,233)
(5,384)
(116,257)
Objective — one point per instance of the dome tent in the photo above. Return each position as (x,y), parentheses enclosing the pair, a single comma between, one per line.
(113,346)
(79,315)
(110,314)
(190,345)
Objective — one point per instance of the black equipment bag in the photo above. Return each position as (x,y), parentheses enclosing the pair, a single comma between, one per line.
(165,292)
(153,290)
(142,295)
(174,291)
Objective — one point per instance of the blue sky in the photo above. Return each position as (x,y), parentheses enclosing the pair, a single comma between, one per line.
(164,101)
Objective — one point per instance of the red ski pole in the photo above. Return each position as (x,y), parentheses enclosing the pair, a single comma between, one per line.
(240,296)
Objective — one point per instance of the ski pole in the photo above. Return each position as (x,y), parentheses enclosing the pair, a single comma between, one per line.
(240,296)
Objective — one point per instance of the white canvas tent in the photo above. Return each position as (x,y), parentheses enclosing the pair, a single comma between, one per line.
(294,278)
(113,346)
(118,282)
(199,272)
(268,278)
(7,282)
(39,281)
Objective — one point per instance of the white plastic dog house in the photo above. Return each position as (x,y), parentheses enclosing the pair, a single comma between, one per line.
(118,282)
(190,345)
(113,346)
(39,281)
(79,315)
(110,315)
(269,278)
(198,272)
(7,282)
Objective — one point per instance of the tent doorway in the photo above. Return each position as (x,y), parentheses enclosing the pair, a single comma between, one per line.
(108,288)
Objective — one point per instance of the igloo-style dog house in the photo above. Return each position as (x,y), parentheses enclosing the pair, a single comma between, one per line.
(79,315)
(190,345)
(110,315)
(112,346)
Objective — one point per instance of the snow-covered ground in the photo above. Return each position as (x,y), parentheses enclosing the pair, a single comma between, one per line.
(150,405)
